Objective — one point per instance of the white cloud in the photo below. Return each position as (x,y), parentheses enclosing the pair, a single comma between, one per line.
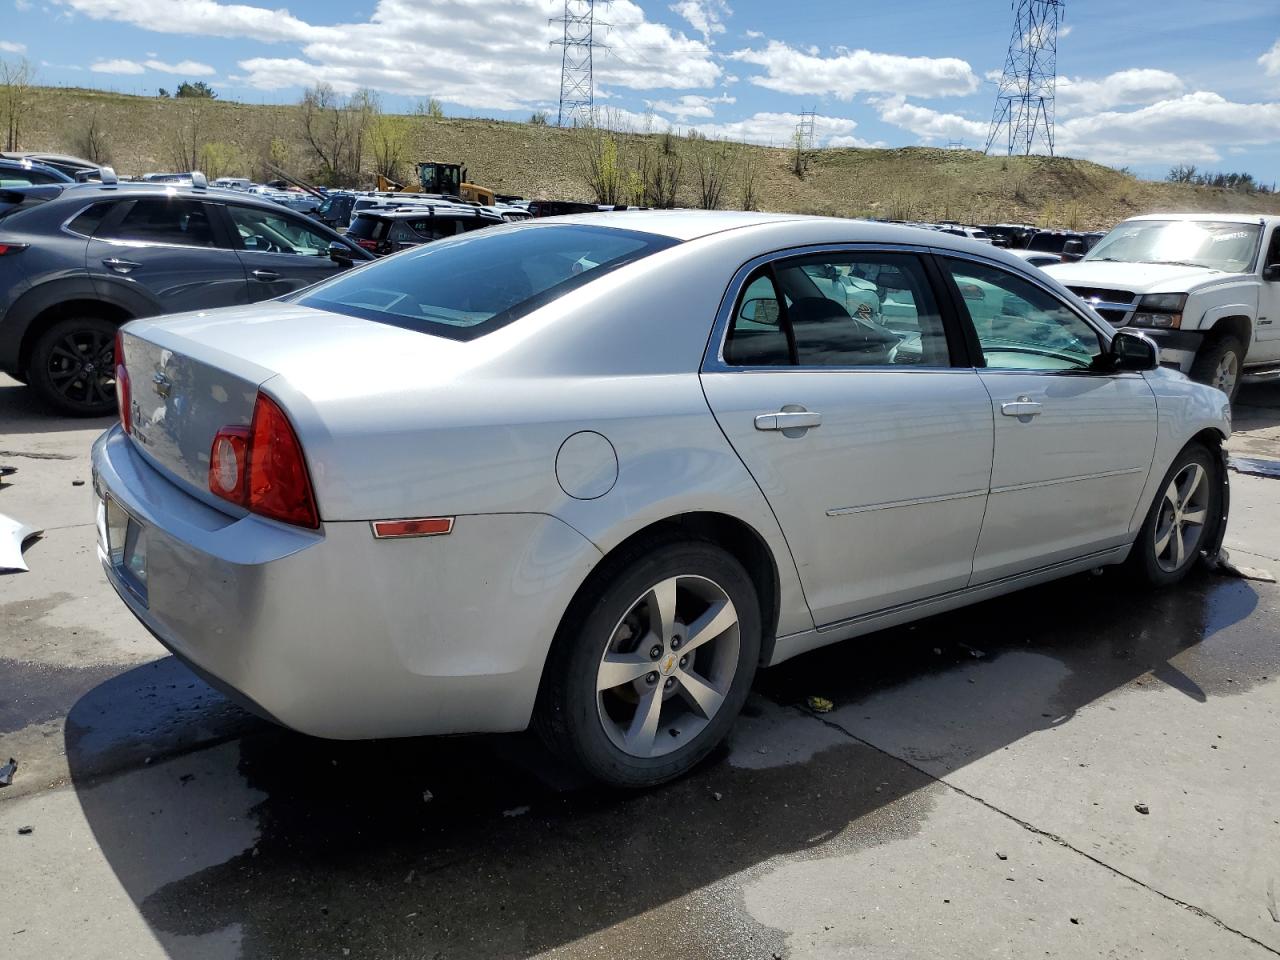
(22,6)
(117,66)
(927,124)
(753,35)
(1270,61)
(690,105)
(855,71)
(191,68)
(705,16)
(1124,88)
(778,129)
(1186,129)
(498,54)
(9,46)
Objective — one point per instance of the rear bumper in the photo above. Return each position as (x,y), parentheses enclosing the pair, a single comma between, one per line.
(339,635)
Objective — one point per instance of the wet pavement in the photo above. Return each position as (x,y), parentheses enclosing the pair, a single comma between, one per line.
(972,793)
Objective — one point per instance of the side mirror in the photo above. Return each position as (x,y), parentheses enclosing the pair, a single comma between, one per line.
(1131,350)
(340,254)
(1073,248)
(1271,272)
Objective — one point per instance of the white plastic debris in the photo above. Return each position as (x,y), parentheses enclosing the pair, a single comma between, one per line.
(13,537)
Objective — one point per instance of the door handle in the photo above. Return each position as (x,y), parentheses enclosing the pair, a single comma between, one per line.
(789,420)
(120,266)
(1024,408)
(265,275)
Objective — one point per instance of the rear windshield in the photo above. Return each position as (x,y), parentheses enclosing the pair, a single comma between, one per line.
(366,228)
(14,200)
(467,286)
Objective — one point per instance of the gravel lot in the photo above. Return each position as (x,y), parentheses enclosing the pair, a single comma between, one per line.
(974,792)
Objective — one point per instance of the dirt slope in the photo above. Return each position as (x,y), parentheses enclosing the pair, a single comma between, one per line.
(539,161)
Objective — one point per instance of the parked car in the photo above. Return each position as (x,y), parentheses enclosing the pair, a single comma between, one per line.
(559,208)
(1206,286)
(1011,235)
(22,173)
(956,230)
(77,168)
(77,260)
(591,472)
(335,210)
(1036,258)
(383,231)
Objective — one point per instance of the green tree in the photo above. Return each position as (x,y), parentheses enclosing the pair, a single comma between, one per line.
(196,91)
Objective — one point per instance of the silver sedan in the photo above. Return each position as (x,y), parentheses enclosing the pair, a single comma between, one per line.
(589,473)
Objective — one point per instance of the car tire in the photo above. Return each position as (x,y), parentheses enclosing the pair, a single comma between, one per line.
(670,710)
(1169,544)
(52,373)
(1220,364)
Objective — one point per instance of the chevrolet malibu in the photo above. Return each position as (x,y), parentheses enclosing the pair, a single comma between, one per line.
(587,474)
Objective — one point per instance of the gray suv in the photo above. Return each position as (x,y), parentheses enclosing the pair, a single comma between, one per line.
(78,260)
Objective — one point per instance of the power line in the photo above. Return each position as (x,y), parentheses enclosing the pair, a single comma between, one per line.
(1024,109)
(577,81)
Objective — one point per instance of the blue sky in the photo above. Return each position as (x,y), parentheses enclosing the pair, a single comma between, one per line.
(1142,84)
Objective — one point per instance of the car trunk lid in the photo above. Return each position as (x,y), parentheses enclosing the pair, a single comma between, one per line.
(190,375)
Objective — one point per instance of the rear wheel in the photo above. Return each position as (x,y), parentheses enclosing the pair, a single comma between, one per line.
(72,367)
(1219,364)
(652,664)
(1182,521)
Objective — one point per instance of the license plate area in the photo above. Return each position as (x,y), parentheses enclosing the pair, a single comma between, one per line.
(126,547)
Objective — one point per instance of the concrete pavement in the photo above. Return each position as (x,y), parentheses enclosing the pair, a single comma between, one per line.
(972,794)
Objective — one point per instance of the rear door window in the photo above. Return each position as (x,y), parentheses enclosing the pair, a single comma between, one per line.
(266,231)
(170,220)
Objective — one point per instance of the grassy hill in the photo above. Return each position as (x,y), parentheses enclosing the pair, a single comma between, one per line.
(543,162)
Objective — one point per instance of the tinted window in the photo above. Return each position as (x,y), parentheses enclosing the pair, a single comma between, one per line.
(366,228)
(165,220)
(268,232)
(469,285)
(19,177)
(87,221)
(1019,325)
(847,310)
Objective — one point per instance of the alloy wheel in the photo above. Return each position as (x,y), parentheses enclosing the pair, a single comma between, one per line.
(1181,521)
(1228,371)
(668,666)
(82,367)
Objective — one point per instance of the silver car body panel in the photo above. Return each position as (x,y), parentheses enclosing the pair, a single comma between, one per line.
(874,518)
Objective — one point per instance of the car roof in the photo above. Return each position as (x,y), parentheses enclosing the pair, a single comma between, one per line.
(8,163)
(139,188)
(427,209)
(1202,217)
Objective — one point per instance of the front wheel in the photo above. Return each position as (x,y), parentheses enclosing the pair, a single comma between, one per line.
(1183,520)
(1219,364)
(652,664)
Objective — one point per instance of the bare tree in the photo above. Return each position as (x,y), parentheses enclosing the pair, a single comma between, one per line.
(661,167)
(713,162)
(386,139)
(335,128)
(91,142)
(749,178)
(430,108)
(598,155)
(16,79)
(799,158)
(186,140)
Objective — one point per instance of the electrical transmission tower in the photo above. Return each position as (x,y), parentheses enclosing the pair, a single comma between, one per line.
(577,86)
(805,129)
(1024,102)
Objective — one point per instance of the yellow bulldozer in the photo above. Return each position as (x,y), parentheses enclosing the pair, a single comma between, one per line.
(446,179)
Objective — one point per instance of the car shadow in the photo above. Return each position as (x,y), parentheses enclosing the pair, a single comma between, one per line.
(21,413)
(1255,418)
(481,847)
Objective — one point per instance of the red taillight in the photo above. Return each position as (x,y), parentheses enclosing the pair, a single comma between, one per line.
(123,397)
(8,248)
(370,245)
(260,467)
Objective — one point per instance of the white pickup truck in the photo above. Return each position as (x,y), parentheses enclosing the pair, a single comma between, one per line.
(1206,287)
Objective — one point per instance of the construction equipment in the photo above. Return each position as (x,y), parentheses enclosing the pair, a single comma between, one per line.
(443,179)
